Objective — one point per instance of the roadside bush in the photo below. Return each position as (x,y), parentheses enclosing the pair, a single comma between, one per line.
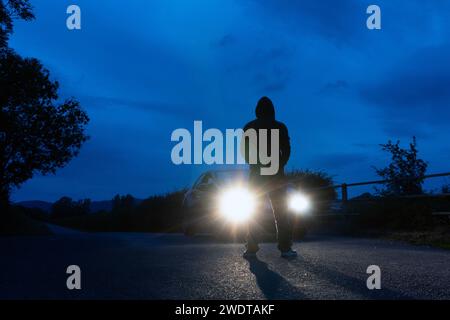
(406,171)
(155,214)
(317,185)
(102,221)
(35,213)
(17,222)
(66,207)
(160,213)
(395,213)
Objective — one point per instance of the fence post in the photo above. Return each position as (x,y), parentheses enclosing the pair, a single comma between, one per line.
(344,193)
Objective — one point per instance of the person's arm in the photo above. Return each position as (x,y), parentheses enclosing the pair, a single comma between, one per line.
(245,146)
(285,146)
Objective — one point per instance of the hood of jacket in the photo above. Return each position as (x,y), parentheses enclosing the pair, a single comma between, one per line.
(265,109)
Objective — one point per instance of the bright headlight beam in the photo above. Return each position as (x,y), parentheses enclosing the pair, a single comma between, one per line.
(299,203)
(237,204)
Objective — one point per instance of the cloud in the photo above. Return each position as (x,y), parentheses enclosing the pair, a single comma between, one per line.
(421,80)
(142,75)
(225,41)
(338,161)
(275,87)
(413,95)
(366,146)
(335,21)
(273,79)
(150,106)
(275,73)
(330,87)
(406,128)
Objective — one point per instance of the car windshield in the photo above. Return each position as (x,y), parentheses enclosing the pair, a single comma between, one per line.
(228,177)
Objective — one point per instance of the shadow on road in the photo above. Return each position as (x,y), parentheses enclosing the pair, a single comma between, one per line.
(355,285)
(272,285)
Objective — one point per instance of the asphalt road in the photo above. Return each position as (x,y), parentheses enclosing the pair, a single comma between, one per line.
(149,266)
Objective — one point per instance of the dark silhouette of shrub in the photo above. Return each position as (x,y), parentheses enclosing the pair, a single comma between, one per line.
(156,214)
(66,207)
(316,184)
(10,10)
(162,213)
(405,172)
(37,133)
(123,202)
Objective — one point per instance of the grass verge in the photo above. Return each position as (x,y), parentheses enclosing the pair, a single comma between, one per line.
(437,238)
(16,222)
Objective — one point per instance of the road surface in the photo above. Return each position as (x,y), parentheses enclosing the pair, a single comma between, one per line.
(158,266)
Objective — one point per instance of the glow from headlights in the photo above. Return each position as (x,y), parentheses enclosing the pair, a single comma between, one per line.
(237,204)
(299,203)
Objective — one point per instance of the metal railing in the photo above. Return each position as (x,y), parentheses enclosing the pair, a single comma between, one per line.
(344,186)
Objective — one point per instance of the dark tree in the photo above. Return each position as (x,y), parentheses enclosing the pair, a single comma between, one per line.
(66,207)
(10,10)
(37,132)
(62,207)
(317,184)
(123,202)
(406,171)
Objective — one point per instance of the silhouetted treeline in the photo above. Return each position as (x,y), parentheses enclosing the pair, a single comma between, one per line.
(318,186)
(406,171)
(401,213)
(155,214)
(39,131)
(164,213)
(66,207)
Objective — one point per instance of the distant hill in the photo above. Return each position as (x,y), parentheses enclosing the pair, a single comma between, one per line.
(43,205)
(364,196)
(105,205)
(96,206)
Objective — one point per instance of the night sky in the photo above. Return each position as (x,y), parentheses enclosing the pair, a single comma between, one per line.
(142,69)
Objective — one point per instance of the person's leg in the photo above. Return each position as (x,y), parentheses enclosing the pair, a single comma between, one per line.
(252,225)
(283,220)
(252,238)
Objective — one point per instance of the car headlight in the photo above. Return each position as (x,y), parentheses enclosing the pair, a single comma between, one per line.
(237,204)
(299,203)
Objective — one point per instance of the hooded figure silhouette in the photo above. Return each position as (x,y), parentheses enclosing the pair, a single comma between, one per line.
(265,119)
(265,109)
(269,185)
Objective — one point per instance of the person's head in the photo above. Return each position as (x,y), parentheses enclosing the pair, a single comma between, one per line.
(265,109)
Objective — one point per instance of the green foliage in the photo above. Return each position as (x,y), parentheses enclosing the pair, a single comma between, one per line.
(18,221)
(35,213)
(406,171)
(123,209)
(317,184)
(37,134)
(10,10)
(164,213)
(395,213)
(156,214)
(66,207)
(123,202)
(161,213)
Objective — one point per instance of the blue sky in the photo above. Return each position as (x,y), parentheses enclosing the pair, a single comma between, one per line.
(142,69)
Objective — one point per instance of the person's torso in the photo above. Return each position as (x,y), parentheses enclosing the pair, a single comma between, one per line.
(268,125)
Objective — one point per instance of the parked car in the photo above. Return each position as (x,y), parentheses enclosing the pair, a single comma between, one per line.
(222,202)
